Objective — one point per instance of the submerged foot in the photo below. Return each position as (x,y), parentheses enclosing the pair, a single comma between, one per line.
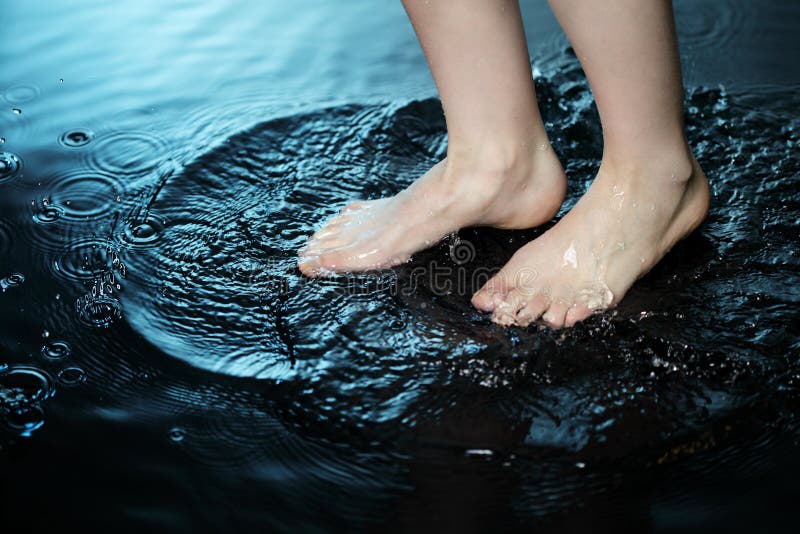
(624,224)
(452,195)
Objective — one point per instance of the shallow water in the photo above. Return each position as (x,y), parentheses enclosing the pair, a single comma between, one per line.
(163,361)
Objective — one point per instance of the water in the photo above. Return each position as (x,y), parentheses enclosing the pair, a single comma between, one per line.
(162,361)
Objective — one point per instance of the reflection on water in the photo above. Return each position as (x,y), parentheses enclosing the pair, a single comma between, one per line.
(153,314)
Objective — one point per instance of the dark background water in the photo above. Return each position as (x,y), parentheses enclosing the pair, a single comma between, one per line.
(164,366)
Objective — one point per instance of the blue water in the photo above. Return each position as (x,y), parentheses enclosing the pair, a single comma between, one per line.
(163,364)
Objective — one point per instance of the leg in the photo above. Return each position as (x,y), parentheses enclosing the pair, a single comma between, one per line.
(649,192)
(499,170)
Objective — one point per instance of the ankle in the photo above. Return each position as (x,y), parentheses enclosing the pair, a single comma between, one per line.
(664,166)
(500,165)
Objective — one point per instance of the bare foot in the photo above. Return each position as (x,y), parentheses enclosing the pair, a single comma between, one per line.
(452,195)
(624,224)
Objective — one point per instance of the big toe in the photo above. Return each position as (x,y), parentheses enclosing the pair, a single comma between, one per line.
(490,295)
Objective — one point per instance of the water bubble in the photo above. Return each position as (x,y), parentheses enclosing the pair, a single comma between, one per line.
(16,111)
(2,139)
(10,166)
(76,138)
(56,350)
(45,334)
(71,376)
(176,434)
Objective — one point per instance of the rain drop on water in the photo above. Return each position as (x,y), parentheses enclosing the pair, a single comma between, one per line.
(176,435)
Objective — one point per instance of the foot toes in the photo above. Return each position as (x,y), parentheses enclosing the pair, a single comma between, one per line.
(533,310)
(577,313)
(505,309)
(556,314)
(490,295)
(309,266)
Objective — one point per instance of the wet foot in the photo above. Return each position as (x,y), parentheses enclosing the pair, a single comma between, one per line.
(624,224)
(381,233)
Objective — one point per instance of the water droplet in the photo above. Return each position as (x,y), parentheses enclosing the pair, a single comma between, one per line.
(580,465)
(2,139)
(16,111)
(479,452)
(61,80)
(45,334)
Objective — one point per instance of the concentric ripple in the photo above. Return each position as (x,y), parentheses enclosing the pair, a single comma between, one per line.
(392,357)
(56,350)
(98,312)
(71,376)
(10,166)
(128,153)
(84,260)
(23,389)
(21,93)
(76,138)
(143,233)
(83,195)
(6,238)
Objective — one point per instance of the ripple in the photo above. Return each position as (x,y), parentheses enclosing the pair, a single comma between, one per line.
(10,166)
(177,435)
(76,138)
(12,280)
(711,24)
(84,260)
(396,357)
(6,237)
(143,233)
(22,385)
(98,312)
(21,93)
(83,195)
(23,389)
(127,153)
(48,213)
(56,350)
(71,376)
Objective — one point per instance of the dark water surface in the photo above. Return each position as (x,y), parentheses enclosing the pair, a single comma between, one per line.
(164,365)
